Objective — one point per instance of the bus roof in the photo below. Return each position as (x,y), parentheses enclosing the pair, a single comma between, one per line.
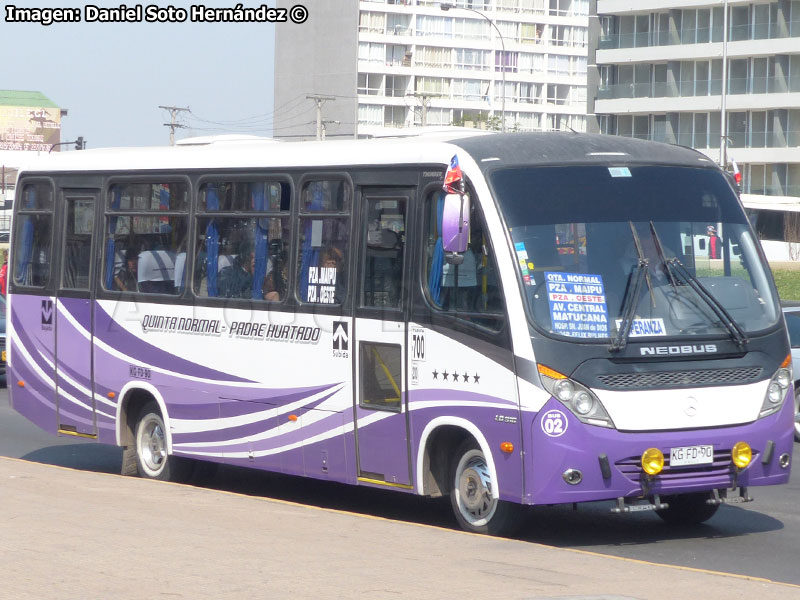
(561,148)
(490,151)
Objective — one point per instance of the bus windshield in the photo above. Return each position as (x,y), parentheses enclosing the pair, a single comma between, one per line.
(595,245)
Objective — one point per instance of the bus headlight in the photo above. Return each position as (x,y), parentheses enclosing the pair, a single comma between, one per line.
(776,390)
(564,390)
(576,397)
(583,403)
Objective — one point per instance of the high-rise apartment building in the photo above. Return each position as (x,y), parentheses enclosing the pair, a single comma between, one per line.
(657,72)
(375,65)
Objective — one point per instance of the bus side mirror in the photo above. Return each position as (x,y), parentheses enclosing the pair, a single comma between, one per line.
(455,223)
(701,243)
(737,251)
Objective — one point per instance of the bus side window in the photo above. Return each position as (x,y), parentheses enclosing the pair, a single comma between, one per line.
(145,234)
(324,236)
(33,235)
(385,243)
(241,226)
(475,291)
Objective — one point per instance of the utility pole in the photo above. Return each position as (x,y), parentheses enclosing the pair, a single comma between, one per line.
(173,124)
(319,101)
(325,129)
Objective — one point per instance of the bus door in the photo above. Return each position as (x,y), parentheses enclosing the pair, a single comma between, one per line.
(380,403)
(74,316)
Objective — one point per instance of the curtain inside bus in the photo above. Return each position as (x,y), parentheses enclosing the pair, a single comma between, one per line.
(212,242)
(310,254)
(261,243)
(437,262)
(27,239)
(111,243)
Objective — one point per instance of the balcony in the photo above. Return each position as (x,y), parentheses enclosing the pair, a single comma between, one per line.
(699,35)
(690,88)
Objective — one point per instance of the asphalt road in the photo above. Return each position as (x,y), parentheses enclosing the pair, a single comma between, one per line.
(760,539)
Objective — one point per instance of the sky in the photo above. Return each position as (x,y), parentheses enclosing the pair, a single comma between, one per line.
(112,77)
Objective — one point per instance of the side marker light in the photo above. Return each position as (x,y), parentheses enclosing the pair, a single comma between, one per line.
(507,447)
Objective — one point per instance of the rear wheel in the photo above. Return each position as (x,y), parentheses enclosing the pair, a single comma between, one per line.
(152,459)
(473,494)
(687,509)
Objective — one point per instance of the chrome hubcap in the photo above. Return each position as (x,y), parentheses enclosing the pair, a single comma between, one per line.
(153,446)
(475,490)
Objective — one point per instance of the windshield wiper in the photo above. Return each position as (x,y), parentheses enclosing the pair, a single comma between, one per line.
(737,333)
(631,299)
(661,255)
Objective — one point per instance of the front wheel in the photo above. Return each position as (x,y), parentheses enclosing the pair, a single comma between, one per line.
(152,459)
(474,494)
(687,509)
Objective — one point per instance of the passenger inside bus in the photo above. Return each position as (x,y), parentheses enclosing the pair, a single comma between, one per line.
(156,272)
(236,280)
(126,278)
(278,276)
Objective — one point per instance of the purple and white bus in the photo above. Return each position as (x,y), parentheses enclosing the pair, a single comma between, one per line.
(544,332)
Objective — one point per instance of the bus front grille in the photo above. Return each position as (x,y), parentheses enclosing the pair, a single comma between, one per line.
(662,379)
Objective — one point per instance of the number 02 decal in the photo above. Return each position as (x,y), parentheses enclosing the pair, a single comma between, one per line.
(554,423)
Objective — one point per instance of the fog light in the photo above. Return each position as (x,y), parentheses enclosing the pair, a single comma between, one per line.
(652,461)
(784,460)
(741,454)
(572,476)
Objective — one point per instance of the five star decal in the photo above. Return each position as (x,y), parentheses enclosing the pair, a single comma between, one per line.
(455,377)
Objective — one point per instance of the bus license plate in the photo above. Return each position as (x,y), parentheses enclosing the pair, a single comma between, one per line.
(691,455)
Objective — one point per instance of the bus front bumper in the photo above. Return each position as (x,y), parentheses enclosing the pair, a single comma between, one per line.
(576,462)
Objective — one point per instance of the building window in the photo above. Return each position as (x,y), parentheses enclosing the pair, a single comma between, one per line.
(370,84)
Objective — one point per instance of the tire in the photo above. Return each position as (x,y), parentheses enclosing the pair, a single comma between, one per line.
(796,413)
(474,506)
(152,459)
(687,509)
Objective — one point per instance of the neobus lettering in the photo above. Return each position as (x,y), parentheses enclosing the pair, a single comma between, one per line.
(667,350)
